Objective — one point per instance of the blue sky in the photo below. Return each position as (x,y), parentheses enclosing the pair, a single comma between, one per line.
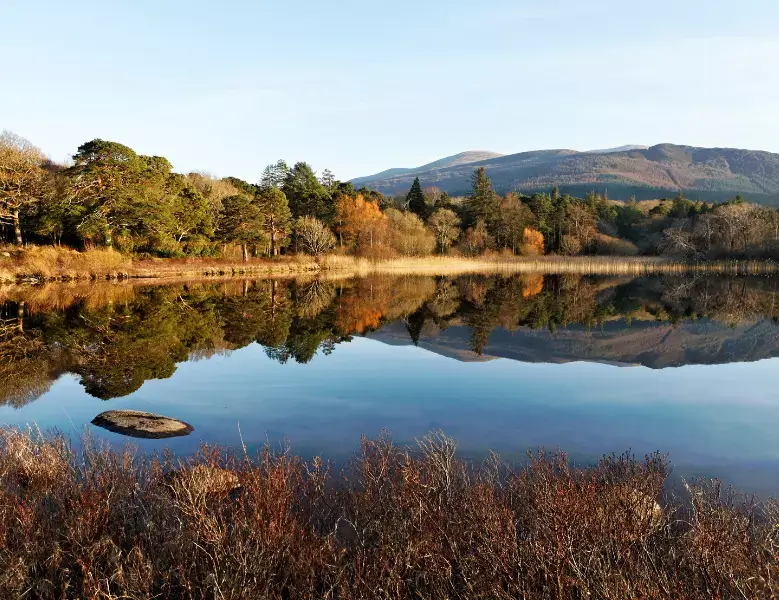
(358,86)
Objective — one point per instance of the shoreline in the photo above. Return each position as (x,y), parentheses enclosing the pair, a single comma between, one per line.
(168,269)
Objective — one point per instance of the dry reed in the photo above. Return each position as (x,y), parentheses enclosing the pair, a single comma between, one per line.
(46,263)
(394,524)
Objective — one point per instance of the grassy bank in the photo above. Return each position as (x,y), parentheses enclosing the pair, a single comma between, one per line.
(46,263)
(394,524)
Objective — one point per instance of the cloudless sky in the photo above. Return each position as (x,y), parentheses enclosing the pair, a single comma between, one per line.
(359,86)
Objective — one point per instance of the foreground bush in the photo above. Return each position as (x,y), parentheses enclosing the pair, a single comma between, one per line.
(393,524)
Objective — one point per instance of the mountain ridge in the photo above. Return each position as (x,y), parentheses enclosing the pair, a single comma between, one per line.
(649,344)
(662,170)
(461,158)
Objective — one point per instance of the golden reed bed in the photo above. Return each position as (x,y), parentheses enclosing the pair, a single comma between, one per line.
(41,264)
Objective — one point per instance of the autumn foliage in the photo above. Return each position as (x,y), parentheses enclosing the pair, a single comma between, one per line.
(533,244)
(358,220)
(532,284)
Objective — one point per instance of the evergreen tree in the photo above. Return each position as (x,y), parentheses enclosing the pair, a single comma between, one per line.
(274,175)
(444,201)
(415,200)
(415,322)
(241,222)
(543,208)
(327,179)
(482,203)
(306,195)
(273,204)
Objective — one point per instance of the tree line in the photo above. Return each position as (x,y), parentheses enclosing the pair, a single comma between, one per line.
(110,196)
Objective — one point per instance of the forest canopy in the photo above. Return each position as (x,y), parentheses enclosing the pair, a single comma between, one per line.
(110,196)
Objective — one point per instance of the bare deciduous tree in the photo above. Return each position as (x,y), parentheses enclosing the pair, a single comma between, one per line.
(446,227)
(581,224)
(315,237)
(679,240)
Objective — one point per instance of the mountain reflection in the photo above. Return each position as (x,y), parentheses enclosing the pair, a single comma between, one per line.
(116,337)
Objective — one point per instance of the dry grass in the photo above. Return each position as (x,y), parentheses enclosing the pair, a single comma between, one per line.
(393,524)
(46,263)
(42,263)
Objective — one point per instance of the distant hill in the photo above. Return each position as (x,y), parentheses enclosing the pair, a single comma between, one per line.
(620,149)
(647,343)
(463,158)
(709,174)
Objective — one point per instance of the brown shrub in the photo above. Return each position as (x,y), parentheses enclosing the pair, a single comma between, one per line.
(395,524)
(570,246)
(614,246)
(32,461)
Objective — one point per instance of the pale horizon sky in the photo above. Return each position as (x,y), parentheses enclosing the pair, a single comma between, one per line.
(359,86)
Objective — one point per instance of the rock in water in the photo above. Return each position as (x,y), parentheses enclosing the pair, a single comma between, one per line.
(135,423)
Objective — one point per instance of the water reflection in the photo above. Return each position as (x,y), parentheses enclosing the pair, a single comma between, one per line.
(117,337)
(254,354)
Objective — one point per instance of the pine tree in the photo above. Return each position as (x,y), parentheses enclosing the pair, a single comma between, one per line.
(482,202)
(274,175)
(415,200)
(241,222)
(444,201)
(306,195)
(415,322)
(274,206)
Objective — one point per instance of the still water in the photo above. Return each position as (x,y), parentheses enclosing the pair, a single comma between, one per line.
(685,366)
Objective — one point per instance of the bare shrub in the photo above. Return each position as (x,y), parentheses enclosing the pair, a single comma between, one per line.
(395,523)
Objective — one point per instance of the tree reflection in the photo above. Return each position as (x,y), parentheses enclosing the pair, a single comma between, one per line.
(117,339)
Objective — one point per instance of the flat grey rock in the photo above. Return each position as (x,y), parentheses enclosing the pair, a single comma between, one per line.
(139,424)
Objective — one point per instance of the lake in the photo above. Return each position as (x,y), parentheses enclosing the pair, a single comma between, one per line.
(681,365)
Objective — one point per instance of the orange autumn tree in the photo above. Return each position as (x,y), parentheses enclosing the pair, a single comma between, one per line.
(358,313)
(360,221)
(532,284)
(533,242)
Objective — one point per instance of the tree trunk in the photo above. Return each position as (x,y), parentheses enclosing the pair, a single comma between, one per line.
(17,227)
(20,317)
(244,253)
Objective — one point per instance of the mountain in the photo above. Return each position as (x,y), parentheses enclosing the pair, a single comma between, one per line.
(650,344)
(709,174)
(463,158)
(620,149)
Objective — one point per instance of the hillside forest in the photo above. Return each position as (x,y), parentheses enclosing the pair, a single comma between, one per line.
(109,196)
